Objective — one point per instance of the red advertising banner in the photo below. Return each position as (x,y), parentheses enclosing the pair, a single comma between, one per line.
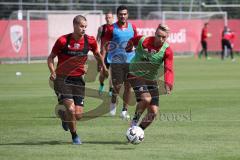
(184,36)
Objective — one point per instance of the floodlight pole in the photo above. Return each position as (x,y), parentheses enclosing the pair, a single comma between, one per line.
(190,9)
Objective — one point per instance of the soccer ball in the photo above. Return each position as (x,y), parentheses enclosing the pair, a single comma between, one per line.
(135,135)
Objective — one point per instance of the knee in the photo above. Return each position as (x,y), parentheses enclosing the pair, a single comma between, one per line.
(78,112)
(71,109)
(146,99)
(78,116)
(116,89)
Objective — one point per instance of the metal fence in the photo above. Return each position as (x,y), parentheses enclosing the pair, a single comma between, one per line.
(138,9)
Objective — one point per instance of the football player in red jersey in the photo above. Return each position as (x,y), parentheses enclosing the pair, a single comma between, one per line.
(72,53)
(101,39)
(227,38)
(204,35)
(117,36)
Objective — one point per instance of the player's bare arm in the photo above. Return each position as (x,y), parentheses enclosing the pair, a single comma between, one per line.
(51,67)
(99,34)
(100,59)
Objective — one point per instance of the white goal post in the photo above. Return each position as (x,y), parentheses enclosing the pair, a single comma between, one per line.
(194,15)
(59,23)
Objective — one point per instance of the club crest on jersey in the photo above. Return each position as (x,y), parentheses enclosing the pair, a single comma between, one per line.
(16,35)
(76,46)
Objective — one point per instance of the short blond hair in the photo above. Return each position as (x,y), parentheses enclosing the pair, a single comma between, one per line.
(79,18)
(163,27)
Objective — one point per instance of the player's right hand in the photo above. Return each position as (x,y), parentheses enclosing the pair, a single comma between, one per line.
(129,46)
(52,76)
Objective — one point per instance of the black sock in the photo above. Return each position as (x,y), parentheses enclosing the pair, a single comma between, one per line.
(136,117)
(124,108)
(74,135)
(141,126)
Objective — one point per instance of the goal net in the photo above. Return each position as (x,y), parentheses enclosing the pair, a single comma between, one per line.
(32,35)
(186,27)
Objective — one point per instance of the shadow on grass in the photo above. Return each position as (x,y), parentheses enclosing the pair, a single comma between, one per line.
(125,148)
(64,143)
(36,143)
(54,117)
(106,142)
(46,117)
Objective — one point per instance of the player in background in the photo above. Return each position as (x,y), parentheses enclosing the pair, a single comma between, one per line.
(72,53)
(204,36)
(101,40)
(152,54)
(227,38)
(117,36)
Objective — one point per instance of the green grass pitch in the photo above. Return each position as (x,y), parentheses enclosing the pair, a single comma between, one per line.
(199,121)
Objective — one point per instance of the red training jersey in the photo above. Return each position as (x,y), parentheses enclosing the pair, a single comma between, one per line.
(72,63)
(228,36)
(148,44)
(204,34)
(104,30)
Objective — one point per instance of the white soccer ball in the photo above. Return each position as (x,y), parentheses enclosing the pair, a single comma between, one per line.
(18,73)
(135,135)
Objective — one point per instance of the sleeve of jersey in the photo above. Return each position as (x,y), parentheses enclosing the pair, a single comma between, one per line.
(168,67)
(59,44)
(108,34)
(135,40)
(93,44)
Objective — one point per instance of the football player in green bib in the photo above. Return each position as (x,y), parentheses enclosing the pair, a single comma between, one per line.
(152,54)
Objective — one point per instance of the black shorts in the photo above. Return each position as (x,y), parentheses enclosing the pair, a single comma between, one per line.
(70,87)
(106,62)
(119,72)
(226,43)
(204,44)
(141,86)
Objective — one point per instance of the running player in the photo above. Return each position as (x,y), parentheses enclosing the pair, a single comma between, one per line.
(100,38)
(144,72)
(72,53)
(118,35)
